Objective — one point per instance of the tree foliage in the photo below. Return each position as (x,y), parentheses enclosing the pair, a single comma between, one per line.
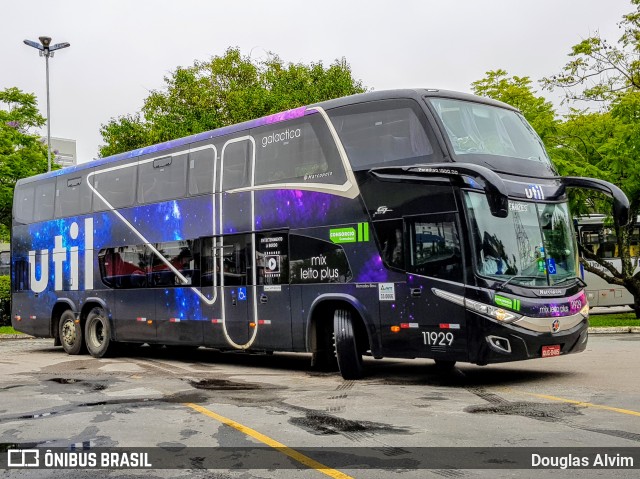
(225,90)
(22,153)
(599,69)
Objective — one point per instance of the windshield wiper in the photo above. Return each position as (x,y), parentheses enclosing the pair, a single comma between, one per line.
(582,282)
(501,286)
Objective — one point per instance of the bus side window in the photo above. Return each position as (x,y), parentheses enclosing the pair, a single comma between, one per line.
(117,186)
(435,247)
(23,201)
(21,275)
(44,201)
(125,267)
(236,165)
(390,237)
(162,178)
(201,165)
(73,196)
(179,254)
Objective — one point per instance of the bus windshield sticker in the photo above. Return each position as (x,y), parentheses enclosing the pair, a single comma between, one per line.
(387,292)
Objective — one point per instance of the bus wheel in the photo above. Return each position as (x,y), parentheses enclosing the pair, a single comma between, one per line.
(70,333)
(349,358)
(97,333)
(444,365)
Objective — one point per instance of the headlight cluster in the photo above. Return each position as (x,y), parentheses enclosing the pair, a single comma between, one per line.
(493,312)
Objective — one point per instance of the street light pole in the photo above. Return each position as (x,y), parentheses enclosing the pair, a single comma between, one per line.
(47,50)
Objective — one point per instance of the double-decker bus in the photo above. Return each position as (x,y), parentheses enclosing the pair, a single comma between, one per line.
(599,237)
(407,224)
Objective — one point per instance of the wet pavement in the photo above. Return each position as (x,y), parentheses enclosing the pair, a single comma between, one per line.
(148,397)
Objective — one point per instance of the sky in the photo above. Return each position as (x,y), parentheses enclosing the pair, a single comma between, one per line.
(121,50)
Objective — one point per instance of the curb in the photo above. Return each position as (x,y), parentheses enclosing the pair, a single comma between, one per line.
(616,330)
(15,336)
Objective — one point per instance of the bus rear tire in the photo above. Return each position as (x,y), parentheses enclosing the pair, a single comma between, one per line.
(98,333)
(349,358)
(70,333)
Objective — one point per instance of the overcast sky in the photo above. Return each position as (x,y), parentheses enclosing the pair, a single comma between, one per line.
(122,49)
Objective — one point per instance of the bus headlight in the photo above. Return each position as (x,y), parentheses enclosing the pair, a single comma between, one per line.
(585,310)
(499,314)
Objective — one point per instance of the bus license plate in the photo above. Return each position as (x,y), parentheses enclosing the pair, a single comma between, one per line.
(549,351)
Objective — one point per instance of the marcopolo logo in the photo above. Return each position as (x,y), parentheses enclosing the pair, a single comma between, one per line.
(61,255)
(282,136)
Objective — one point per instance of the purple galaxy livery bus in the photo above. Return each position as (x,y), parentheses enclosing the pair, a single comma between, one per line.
(406,223)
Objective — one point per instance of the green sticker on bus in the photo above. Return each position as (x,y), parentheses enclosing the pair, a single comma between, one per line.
(507,302)
(350,235)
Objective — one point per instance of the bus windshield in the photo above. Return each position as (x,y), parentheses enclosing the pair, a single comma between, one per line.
(534,245)
(475,128)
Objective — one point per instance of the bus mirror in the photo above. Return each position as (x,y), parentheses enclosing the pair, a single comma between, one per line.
(620,200)
(494,187)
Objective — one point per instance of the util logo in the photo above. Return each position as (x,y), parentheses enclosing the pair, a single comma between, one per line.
(60,255)
(534,192)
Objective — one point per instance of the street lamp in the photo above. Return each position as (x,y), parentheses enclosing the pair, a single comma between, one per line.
(46,50)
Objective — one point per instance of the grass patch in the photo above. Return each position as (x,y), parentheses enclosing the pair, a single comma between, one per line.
(613,320)
(8,330)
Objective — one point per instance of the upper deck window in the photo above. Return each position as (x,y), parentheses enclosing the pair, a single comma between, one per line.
(381,133)
(297,151)
(162,179)
(73,196)
(23,203)
(478,129)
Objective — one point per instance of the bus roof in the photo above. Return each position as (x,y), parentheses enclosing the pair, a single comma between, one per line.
(269,119)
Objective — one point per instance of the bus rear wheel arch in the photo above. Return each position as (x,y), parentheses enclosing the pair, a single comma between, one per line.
(97,331)
(70,333)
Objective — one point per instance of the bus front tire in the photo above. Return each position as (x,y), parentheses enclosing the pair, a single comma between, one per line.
(445,365)
(349,358)
(98,333)
(70,333)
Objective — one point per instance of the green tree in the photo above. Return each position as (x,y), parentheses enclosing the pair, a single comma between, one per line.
(225,90)
(22,153)
(600,70)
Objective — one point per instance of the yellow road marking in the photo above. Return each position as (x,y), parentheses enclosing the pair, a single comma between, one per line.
(577,403)
(292,453)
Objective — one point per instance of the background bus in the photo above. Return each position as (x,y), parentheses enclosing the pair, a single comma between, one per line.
(600,239)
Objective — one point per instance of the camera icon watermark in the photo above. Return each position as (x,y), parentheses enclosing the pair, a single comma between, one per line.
(23,458)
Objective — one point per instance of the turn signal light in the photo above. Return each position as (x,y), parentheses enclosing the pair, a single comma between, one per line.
(252,325)
(395,329)
(149,321)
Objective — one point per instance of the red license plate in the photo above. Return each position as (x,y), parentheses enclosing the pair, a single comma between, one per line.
(549,351)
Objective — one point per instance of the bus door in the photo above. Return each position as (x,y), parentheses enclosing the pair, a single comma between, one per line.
(236,252)
(435,269)
(272,291)
(234,269)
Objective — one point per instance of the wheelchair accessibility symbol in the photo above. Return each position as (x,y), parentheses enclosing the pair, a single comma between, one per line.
(551,266)
(242,294)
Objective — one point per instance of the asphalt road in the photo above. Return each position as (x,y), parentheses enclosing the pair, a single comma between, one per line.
(170,399)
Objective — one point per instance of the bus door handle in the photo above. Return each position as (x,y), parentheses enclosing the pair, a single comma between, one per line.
(263,298)
(415,292)
(233,301)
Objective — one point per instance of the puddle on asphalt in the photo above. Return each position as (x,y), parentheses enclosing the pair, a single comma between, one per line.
(543,411)
(326,424)
(223,385)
